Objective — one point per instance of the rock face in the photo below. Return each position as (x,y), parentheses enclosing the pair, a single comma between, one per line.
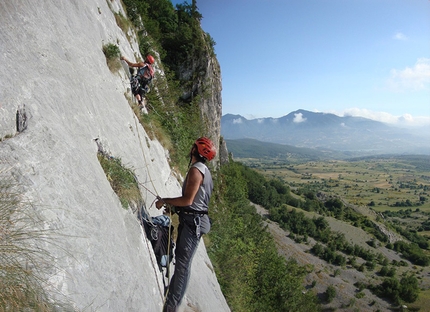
(205,72)
(211,106)
(57,100)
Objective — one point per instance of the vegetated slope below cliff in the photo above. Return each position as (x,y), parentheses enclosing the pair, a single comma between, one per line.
(325,274)
(54,67)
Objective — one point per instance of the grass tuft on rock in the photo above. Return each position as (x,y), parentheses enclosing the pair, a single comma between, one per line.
(121,179)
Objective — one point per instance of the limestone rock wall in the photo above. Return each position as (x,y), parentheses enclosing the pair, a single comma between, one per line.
(53,72)
(211,106)
(205,73)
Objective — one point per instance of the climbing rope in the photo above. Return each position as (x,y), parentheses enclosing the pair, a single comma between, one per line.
(157,197)
(168,241)
(144,157)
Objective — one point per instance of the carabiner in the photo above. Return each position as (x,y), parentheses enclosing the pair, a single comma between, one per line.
(197,224)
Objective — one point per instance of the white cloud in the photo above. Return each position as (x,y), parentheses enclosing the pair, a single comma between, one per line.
(250,116)
(299,118)
(260,120)
(378,116)
(411,78)
(403,120)
(400,36)
(237,121)
(408,120)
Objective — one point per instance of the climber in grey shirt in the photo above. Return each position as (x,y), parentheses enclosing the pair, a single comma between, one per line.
(192,208)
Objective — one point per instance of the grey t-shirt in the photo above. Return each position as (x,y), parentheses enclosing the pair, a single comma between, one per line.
(201,201)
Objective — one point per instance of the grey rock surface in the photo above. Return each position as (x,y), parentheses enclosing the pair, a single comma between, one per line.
(53,68)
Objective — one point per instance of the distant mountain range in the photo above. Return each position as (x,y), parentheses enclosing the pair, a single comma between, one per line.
(324,131)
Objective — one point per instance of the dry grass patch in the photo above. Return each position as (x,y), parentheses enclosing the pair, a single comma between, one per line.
(22,257)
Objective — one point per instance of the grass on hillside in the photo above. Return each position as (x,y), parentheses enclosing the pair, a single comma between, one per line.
(422,302)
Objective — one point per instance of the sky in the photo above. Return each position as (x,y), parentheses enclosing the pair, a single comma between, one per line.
(368,58)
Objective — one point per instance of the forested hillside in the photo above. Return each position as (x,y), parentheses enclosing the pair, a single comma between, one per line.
(383,251)
(251,273)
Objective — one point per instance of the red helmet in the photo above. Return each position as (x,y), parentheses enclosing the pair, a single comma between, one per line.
(150,59)
(205,148)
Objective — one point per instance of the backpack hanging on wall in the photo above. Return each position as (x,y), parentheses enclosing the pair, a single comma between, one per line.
(157,231)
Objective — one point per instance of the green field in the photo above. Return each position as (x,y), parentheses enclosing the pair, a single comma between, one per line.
(381,184)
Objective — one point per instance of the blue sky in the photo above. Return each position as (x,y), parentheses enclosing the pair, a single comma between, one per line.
(367,58)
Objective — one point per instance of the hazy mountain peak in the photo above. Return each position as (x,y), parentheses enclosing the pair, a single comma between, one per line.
(304,128)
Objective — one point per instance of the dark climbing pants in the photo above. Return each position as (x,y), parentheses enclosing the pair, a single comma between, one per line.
(186,245)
